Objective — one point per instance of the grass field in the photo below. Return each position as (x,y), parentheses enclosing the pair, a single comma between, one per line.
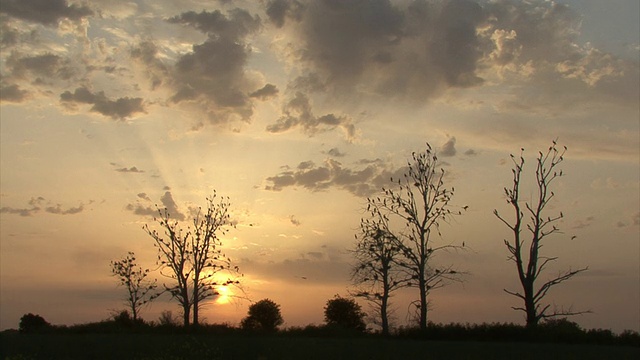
(206,346)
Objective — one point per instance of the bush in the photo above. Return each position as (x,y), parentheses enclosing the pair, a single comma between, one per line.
(263,315)
(33,323)
(345,313)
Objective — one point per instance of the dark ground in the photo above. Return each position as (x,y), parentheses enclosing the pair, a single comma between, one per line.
(210,346)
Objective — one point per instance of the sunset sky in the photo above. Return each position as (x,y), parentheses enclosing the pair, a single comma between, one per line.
(299,110)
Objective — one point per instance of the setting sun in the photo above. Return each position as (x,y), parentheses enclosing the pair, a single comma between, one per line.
(224,295)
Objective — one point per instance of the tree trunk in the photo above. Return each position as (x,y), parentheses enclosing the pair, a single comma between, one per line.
(423,303)
(530,306)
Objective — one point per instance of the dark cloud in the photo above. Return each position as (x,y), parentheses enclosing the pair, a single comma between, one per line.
(39,203)
(298,113)
(448,148)
(312,266)
(279,10)
(120,108)
(213,73)
(40,67)
(132,169)
(266,92)
(12,93)
(167,203)
(471,152)
(360,182)
(46,12)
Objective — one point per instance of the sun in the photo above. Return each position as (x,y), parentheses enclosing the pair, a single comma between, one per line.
(224,295)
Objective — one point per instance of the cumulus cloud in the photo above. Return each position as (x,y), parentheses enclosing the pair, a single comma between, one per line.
(120,108)
(213,74)
(46,12)
(332,174)
(298,113)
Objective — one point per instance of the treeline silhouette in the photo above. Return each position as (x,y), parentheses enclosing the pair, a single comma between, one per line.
(552,331)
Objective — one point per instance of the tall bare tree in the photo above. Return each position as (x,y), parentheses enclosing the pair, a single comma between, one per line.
(207,258)
(193,257)
(173,258)
(526,253)
(417,205)
(140,290)
(375,274)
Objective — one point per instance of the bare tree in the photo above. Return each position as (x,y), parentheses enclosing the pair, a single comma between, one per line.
(375,275)
(193,257)
(417,205)
(140,291)
(173,259)
(207,258)
(526,254)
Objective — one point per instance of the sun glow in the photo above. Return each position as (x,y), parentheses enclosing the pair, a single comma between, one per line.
(224,295)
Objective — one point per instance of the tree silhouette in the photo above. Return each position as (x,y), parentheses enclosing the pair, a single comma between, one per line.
(345,313)
(32,323)
(263,315)
(529,262)
(408,214)
(139,290)
(375,274)
(192,257)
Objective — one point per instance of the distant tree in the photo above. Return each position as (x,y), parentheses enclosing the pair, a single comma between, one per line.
(375,274)
(345,313)
(409,214)
(167,319)
(263,315)
(32,323)
(526,254)
(140,290)
(192,257)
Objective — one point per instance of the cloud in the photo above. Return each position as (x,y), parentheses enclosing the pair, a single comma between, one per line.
(213,74)
(38,203)
(132,169)
(266,92)
(360,182)
(13,93)
(335,152)
(583,223)
(294,221)
(448,148)
(41,67)
(46,12)
(298,113)
(167,203)
(120,108)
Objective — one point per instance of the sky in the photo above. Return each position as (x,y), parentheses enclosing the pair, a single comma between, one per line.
(298,111)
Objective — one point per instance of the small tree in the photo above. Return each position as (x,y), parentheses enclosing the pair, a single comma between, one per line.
(527,258)
(263,315)
(140,291)
(32,323)
(410,213)
(345,313)
(375,273)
